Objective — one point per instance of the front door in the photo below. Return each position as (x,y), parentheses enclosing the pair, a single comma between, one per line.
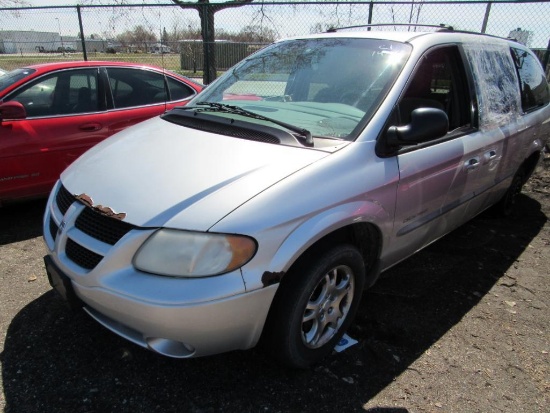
(438,179)
(65,116)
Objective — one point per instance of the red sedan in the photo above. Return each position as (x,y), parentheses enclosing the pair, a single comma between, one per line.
(51,113)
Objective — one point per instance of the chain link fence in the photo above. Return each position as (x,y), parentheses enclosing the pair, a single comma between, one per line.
(171,36)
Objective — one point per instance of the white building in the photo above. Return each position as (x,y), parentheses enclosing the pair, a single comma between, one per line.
(17,41)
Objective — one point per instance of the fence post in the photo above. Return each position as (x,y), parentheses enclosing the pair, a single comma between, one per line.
(208,40)
(82,37)
(486,18)
(205,48)
(371,6)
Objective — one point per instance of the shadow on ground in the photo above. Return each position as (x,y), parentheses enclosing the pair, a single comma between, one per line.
(21,221)
(57,361)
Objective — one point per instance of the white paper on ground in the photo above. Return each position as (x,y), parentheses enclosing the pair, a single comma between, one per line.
(345,342)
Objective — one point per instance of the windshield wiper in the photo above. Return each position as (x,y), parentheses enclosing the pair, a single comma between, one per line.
(236,110)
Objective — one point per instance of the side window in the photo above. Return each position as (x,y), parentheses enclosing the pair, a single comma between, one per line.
(496,84)
(83,92)
(62,93)
(178,90)
(136,87)
(438,82)
(534,88)
(38,97)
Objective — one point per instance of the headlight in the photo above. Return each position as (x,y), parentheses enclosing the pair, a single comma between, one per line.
(193,254)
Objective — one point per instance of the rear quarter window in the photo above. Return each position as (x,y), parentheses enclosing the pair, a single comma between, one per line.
(534,88)
(178,90)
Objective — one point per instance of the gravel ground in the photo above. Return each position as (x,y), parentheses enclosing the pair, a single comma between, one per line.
(460,327)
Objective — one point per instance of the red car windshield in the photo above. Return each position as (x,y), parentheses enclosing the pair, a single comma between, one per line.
(13,77)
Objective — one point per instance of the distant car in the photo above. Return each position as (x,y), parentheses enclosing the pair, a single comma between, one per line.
(66,49)
(51,113)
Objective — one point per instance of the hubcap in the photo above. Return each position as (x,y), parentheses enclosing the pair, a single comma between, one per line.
(328,306)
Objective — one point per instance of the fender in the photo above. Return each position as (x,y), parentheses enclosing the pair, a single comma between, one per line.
(312,230)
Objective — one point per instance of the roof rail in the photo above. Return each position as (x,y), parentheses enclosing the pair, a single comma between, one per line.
(441,27)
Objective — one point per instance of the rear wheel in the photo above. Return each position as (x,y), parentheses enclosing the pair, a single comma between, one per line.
(508,202)
(315,305)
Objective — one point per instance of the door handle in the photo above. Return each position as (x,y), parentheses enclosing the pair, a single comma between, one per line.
(90,127)
(471,164)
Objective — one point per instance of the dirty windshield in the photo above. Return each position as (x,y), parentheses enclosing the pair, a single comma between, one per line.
(329,87)
(14,76)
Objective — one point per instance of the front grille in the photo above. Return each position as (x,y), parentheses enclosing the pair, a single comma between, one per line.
(53,228)
(90,222)
(82,256)
(101,227)
(64,199)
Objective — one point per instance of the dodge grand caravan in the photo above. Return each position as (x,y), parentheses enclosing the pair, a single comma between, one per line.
(266,206)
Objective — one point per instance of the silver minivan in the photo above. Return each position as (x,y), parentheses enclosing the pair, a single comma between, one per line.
(264,208)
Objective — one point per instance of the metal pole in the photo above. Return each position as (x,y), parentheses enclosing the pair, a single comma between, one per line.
(82,34)
(206,77)
(61,36)
(371,6)
(486,18)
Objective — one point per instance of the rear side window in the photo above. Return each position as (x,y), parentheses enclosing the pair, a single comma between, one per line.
(495,80)
(136,87)
(534,88)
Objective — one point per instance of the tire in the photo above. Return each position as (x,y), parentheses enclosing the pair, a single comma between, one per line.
(505,207)
(315,305)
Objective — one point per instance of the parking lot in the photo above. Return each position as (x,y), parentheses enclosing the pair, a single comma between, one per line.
(460,327)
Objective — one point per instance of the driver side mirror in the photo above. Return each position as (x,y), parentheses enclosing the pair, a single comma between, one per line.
(426,124)
(12,110)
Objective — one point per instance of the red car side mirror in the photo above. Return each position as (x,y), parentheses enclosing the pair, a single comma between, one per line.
(12,110)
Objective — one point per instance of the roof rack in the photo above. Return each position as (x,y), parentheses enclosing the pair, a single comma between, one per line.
(441,27)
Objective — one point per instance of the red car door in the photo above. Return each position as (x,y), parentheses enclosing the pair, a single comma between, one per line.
(65,116)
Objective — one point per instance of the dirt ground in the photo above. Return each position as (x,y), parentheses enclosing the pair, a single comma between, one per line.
(460,327)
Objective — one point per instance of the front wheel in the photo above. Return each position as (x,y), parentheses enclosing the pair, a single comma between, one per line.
(315,305)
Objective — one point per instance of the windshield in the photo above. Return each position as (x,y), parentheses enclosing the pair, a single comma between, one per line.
(330,87)
(13,77)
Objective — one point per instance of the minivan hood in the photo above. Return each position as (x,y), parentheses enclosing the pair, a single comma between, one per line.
(162,174)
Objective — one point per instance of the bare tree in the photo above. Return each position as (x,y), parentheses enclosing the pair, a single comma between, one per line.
(139,37)
(207,11)
(14,3)
(416,8)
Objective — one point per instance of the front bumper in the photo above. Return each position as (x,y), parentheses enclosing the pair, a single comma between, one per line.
(179,331)
(176,317)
